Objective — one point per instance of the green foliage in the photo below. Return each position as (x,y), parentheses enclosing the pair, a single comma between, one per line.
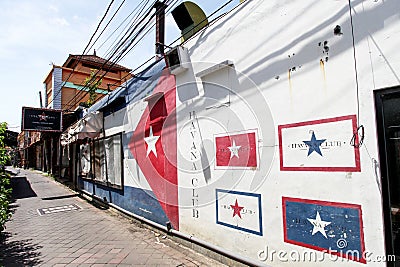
(5,193)
(92,83)
(5,190)
(4,157)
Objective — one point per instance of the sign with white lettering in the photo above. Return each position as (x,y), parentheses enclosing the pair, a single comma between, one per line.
(41,120)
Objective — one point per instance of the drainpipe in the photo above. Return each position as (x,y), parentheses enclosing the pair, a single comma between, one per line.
(160,28)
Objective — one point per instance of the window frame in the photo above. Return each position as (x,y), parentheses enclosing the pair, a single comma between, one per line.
(92,174)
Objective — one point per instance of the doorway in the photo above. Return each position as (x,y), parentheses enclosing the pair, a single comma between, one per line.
(387,107)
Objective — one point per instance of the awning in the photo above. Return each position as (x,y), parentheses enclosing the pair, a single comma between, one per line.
(88,127)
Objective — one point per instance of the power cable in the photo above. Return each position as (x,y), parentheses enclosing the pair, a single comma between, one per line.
(109,60)
(95,75)
(122,23)
(167,13)
(91,38)
(98,26)
(355,62)
(146,32)
(359,127)
(130,32)
(88,83)
(108,23)
(125,51)
(125,31)
(213,21)
(212,14)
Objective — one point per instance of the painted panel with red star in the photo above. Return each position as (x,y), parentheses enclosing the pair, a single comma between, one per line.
(239,210)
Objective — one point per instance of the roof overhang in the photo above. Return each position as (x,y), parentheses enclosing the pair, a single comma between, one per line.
(91,126)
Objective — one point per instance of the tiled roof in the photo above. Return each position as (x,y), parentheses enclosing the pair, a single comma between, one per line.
(93,60)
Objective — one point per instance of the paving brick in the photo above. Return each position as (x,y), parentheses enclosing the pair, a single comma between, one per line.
(115,250)
(86,237)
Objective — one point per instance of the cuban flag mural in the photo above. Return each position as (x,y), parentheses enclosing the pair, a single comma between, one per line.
(236,150)
(331,227)
(143,114)
(320,145)
(152,145)
(239,210)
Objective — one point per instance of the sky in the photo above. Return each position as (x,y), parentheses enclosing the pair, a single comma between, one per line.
(36,34)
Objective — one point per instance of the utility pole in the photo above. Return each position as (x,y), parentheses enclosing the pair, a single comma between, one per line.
(160,28)
(40,99)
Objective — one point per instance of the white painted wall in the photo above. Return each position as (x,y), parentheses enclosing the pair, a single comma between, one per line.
(264,39)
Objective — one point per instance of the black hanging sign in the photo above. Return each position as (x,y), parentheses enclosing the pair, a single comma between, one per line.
(41,120)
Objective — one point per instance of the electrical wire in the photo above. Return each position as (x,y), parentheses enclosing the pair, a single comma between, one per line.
(121,54)
(168,11)
(146,32)
(98,26)
(110,59)
(91,81)
(355,141)
(126,50)
(213,21)
(90,40)
(88,84)
(355,63)
(212,14)
(126,31)
(108,23)
(122,23)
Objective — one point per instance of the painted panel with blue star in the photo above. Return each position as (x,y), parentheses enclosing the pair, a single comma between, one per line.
(314,145)
(319,145)
(332,227)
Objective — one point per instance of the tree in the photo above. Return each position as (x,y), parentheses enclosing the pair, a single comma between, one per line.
(5,190)
(92,83)
(3,152)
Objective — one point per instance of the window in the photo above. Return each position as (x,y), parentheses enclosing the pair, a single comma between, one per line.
(99,161)
(103,157)
(114,159)
(85,163)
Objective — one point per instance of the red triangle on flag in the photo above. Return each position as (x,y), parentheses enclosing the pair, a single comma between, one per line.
(154,145)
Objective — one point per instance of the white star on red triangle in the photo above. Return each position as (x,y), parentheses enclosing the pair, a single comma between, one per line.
(151,141)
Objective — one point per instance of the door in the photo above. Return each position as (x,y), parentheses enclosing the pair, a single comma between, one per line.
(387,105)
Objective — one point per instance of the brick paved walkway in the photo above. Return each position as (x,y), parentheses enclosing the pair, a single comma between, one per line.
(71,232)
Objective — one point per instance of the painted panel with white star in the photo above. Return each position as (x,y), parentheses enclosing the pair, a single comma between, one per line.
(331,227)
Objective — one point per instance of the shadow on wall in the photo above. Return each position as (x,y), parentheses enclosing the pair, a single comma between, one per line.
(271,67)
(19,252)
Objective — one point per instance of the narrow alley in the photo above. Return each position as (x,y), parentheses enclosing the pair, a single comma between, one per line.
(52,226)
